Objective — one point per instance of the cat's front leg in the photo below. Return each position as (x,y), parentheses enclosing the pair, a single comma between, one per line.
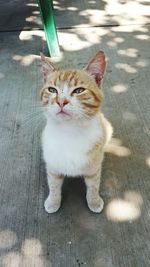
(53,201)
(94,201)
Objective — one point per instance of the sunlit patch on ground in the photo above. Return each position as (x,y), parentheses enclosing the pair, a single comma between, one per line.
(142,37)
(78,39)
(7,239)
(129,52)
(73,42)
(142,63)
(25,60)
(148,161)
(126,208)
(31,254)
(129,116)
(31,247)
(119,88)
(126,67)
(28,35)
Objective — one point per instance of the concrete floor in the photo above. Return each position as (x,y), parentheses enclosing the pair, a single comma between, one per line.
(75,237)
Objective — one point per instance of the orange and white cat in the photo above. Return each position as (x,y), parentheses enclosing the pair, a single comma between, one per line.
(76,132)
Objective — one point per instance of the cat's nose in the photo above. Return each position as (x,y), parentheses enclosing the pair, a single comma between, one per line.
(62,102)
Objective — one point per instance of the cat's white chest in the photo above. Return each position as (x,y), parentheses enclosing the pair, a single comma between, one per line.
(65,147)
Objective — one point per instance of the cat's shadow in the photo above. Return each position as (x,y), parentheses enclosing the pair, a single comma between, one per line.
(73,190)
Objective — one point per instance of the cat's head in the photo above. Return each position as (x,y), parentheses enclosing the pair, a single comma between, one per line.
(73,94)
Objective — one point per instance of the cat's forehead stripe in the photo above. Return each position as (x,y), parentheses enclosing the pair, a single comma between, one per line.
(69,76)
(76,82)
(55,81)
(60,77)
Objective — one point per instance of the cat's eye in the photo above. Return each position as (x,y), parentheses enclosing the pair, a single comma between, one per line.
(78,90)
(52,90)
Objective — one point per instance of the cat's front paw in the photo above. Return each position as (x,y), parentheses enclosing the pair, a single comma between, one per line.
(96,204)
(51,205)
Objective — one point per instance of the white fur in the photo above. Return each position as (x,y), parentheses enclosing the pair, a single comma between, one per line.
(65,145)
(53,201)
(94,201)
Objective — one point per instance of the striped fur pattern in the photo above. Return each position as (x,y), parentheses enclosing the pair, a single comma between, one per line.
(76,132)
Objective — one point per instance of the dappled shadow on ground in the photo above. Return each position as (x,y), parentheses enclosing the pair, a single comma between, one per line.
(28,234)
(24,15)
(19,15)
(100,13)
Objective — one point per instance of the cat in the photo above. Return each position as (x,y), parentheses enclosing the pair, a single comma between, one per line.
(76,132)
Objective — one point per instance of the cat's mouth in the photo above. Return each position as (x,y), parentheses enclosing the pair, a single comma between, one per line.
(63,113)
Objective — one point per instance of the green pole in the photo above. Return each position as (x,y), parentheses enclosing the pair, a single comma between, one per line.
(46,11)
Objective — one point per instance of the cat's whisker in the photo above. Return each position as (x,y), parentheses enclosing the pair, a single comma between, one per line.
(81,114)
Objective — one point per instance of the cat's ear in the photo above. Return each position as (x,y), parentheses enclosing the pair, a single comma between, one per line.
(47,67)
(97,66)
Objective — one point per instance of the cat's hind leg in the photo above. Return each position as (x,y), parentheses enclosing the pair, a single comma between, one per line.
(53,201)
(94,201)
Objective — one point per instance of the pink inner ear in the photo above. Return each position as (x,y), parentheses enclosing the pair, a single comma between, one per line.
(97,66)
